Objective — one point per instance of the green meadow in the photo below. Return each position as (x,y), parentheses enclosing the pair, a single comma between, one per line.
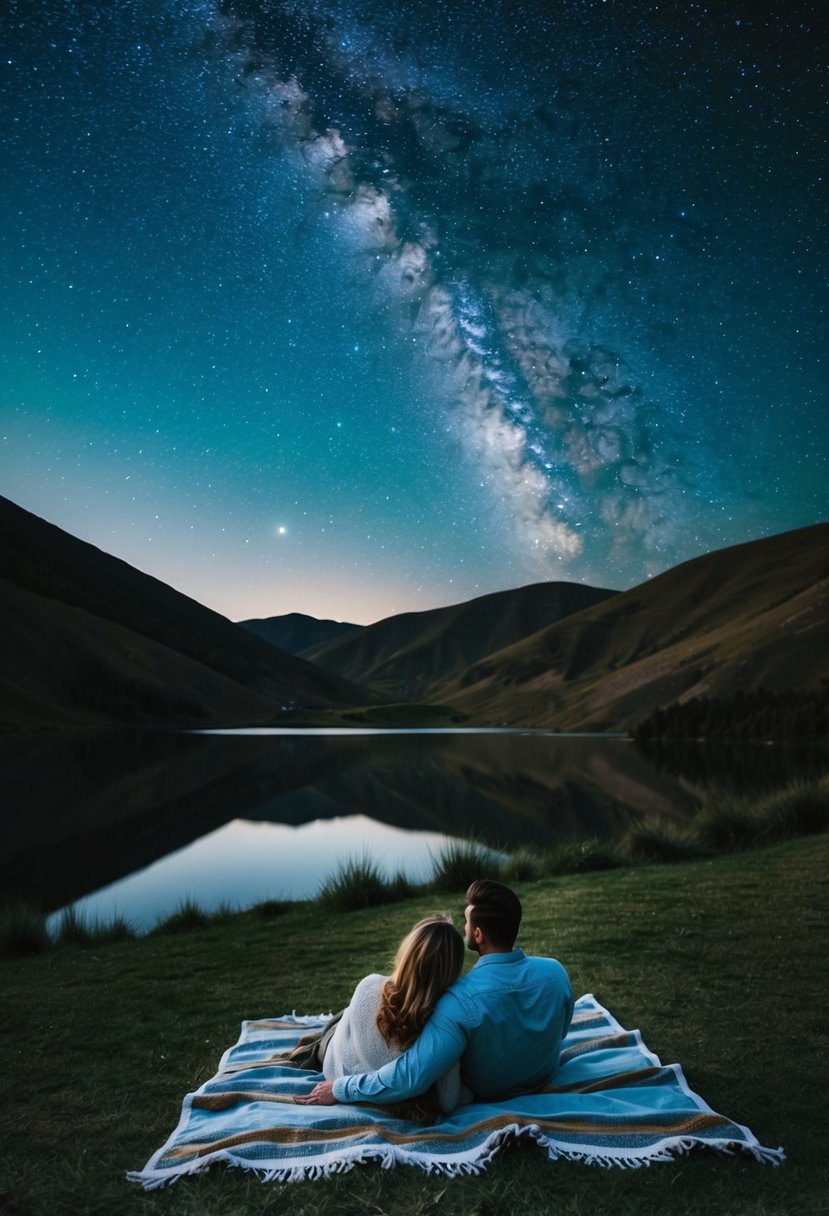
(721,962)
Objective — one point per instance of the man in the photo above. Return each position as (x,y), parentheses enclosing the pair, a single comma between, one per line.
(504,1019)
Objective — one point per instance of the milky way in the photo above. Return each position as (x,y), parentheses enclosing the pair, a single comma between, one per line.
(462,295)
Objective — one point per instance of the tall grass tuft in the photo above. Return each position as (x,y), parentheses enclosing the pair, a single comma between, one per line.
(727,823)
(581,856)
(799,809)
(73,928)
(222,913)
(269,908)
(187,916)
(22,929)
(524,865)
(356,883)
(460,862)
(117,929)
(649,840)
(400,888)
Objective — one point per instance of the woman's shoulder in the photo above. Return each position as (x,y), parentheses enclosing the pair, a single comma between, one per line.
(372,981)
(369,987)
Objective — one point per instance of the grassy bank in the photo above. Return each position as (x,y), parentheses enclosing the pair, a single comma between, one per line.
(720,962)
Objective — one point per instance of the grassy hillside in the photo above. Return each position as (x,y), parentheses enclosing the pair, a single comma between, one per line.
(407,657)
(720,963)
(88,638)
(755,615)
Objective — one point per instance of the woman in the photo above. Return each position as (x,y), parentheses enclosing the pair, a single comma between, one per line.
(386,1014)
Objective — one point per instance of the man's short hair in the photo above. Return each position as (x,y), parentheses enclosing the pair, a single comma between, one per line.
(496,910)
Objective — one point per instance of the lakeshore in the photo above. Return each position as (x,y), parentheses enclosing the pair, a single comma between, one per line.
(719,961)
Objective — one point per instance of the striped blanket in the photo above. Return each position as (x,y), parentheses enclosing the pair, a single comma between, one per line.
(613,1104)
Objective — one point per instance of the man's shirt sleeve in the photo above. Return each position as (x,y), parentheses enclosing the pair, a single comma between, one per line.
(441,1043)
(568,1013)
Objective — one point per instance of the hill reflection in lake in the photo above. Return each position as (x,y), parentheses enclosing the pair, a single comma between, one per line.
(82,813)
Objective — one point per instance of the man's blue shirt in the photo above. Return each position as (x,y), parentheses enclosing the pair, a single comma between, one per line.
(504,1019)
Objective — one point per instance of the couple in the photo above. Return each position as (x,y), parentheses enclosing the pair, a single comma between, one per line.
(497,1029)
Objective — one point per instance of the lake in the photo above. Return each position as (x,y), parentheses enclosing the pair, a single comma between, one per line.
(132,823)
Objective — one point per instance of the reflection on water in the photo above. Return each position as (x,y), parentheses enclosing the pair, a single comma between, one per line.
(247,816)
(244,863)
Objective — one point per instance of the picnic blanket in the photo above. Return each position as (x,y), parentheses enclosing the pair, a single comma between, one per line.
(613,1103)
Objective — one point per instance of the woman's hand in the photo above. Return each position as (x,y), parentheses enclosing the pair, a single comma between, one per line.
(320,1095)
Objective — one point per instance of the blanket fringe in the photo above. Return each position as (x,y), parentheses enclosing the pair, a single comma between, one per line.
(388,1158)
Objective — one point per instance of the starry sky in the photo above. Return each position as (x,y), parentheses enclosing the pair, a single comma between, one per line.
(350,308)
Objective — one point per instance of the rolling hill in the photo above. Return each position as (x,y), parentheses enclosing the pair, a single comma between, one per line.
(295,632)
(88,639)
(411,656)
(752,616)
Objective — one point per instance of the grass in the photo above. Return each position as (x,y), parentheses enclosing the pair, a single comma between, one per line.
(357,883)
(459,862)
(646,840)
(581,857)
(187,917)
(75,929)
(799,809)
(22,929)
(719,961)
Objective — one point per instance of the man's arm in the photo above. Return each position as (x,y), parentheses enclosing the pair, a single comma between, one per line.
(441,1042)
(568,1011)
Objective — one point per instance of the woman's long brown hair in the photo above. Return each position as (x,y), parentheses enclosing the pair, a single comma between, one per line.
(429,959)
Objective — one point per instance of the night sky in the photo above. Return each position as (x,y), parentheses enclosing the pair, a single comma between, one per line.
(352,308)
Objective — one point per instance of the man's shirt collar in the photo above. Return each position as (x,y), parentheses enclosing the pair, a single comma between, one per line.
(506,956)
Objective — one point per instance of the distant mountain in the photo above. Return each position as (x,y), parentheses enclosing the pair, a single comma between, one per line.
(88,639)
(296,632)
(752,616)
(410,656)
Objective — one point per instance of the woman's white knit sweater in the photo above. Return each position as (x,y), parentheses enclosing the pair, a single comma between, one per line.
(357,1045)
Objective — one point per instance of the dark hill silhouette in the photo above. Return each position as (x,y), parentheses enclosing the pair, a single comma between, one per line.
(295,632)
(408,657)
(89,639)
(752,616)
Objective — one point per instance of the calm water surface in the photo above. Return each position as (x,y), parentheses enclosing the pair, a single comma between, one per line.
(134,823)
